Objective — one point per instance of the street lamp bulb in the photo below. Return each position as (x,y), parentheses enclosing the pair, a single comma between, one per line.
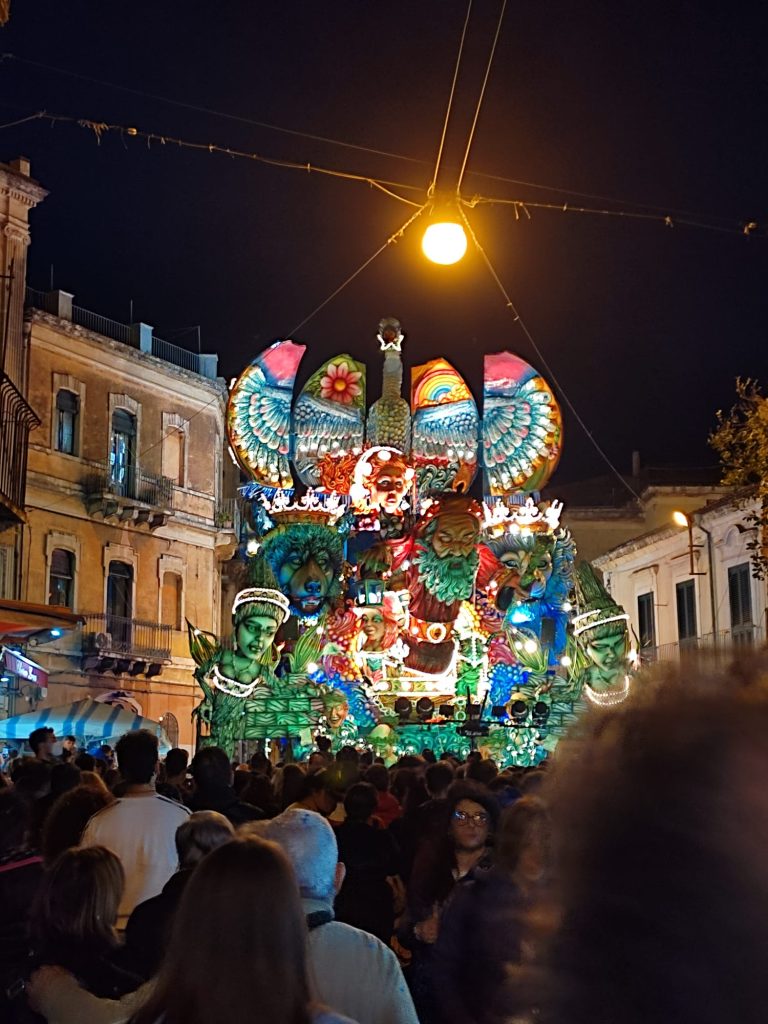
(444,243)
(680,518)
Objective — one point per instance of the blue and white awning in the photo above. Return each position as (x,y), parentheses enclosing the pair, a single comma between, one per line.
(86,719)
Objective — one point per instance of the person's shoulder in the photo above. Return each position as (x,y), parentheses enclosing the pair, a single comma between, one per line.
(330,1017)
(355,940)
(104,815)
(172,805)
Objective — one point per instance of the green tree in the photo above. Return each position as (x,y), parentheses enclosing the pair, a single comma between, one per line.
(741,442)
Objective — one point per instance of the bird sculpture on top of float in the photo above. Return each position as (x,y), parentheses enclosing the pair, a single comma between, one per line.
(403,612)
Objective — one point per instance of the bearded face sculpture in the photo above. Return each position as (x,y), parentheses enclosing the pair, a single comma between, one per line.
(306,559)
(447,559)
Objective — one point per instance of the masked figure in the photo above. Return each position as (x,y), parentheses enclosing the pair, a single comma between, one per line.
(602,639)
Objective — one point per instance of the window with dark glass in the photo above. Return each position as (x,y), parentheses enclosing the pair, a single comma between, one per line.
(686,610)
(61,584)
(119,601)
(67,411)
(740,601)
(122,451)
(646,620)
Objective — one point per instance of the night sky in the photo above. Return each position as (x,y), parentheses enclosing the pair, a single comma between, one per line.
(658,106)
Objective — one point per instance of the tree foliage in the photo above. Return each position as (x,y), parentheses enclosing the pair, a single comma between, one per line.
(741,442)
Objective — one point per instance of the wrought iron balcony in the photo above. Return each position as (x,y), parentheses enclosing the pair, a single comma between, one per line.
(138,497)
(115,644)
(726,642)
(17,419)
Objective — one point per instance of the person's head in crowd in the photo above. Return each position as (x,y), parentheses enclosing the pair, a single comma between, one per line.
(31,778)
(78,900)
(483,771)
(348,755)
(42,742)
(309,842)
(531,782)
(226,962)
(211,769)
(241,780)
(318,793)
(94,781)
(176,761)
(366,758)
(64,776)
(261,765)
(360,802)
(14,822)
(323,744)
(474,755)
(107,754)
(660,825)
(438,778)
(409,761)
(523,841)
(292,785)
(317,761)
(68,748)
(409,790)
(202,832)
(428,755)
(378,776)
(85,762)
(258,792)
(137,755)
(473,814)
(66,820)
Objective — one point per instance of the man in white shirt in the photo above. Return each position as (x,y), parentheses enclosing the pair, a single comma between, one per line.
(141,826)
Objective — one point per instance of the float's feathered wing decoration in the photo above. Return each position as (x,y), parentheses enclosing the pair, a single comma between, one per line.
(329,420)
(522,427)
(259,415)
(445,428)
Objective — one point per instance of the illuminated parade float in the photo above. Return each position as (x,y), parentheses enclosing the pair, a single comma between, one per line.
(384,605)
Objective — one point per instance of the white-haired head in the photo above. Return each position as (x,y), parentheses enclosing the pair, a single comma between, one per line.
(310,844)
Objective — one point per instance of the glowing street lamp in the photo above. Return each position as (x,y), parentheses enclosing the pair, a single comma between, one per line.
(444,242)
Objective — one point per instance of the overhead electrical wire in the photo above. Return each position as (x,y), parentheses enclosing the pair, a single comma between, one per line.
(481,97)
(540,355)
(447,118)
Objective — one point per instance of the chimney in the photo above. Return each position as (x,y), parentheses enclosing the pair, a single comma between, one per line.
(635,464)
(21,165)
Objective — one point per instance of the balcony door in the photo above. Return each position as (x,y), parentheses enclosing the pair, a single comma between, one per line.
(120,604)
(122,452)
(687,627)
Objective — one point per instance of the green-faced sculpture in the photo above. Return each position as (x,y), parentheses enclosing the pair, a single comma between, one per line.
(602,639)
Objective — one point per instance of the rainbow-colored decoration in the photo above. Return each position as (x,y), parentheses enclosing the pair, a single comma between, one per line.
(329,417)
(259,415)
(446,426)
(522,427)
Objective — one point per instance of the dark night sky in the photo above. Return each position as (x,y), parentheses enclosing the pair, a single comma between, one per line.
(661,104)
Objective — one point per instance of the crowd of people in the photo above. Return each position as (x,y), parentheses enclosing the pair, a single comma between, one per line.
(624,882)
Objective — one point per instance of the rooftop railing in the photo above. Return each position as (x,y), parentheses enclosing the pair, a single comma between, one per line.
(138,336)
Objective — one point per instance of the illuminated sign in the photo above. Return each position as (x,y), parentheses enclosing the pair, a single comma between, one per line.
(22,667)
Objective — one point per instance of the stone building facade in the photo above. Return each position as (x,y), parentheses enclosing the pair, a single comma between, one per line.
(129,506)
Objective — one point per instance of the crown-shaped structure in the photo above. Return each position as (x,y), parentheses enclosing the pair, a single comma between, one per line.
(500,517)
(313,507)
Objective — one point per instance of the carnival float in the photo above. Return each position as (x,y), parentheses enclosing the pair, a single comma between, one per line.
(386,606)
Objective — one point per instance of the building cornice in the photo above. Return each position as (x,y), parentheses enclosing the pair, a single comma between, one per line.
(165,371)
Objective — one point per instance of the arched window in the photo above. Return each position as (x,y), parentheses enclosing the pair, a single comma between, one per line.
(170,723)
(61,580)
(170,607)
(120,601)
(67,411)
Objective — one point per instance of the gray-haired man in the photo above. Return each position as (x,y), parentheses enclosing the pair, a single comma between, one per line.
(355,972)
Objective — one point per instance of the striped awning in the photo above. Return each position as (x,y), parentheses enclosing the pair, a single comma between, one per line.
(86,719)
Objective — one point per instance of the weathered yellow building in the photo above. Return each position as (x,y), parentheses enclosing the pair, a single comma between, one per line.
(129,506)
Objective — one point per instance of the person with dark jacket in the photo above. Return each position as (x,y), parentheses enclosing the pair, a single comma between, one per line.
(370,855)
(213,776)
(485,921)
(148,928)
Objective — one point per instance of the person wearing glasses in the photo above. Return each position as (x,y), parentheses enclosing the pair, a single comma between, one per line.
(453,859)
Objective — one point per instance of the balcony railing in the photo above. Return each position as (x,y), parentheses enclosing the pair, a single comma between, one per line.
(725,642)
(136,641)
(139,496)
(229,514)
(16,421)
